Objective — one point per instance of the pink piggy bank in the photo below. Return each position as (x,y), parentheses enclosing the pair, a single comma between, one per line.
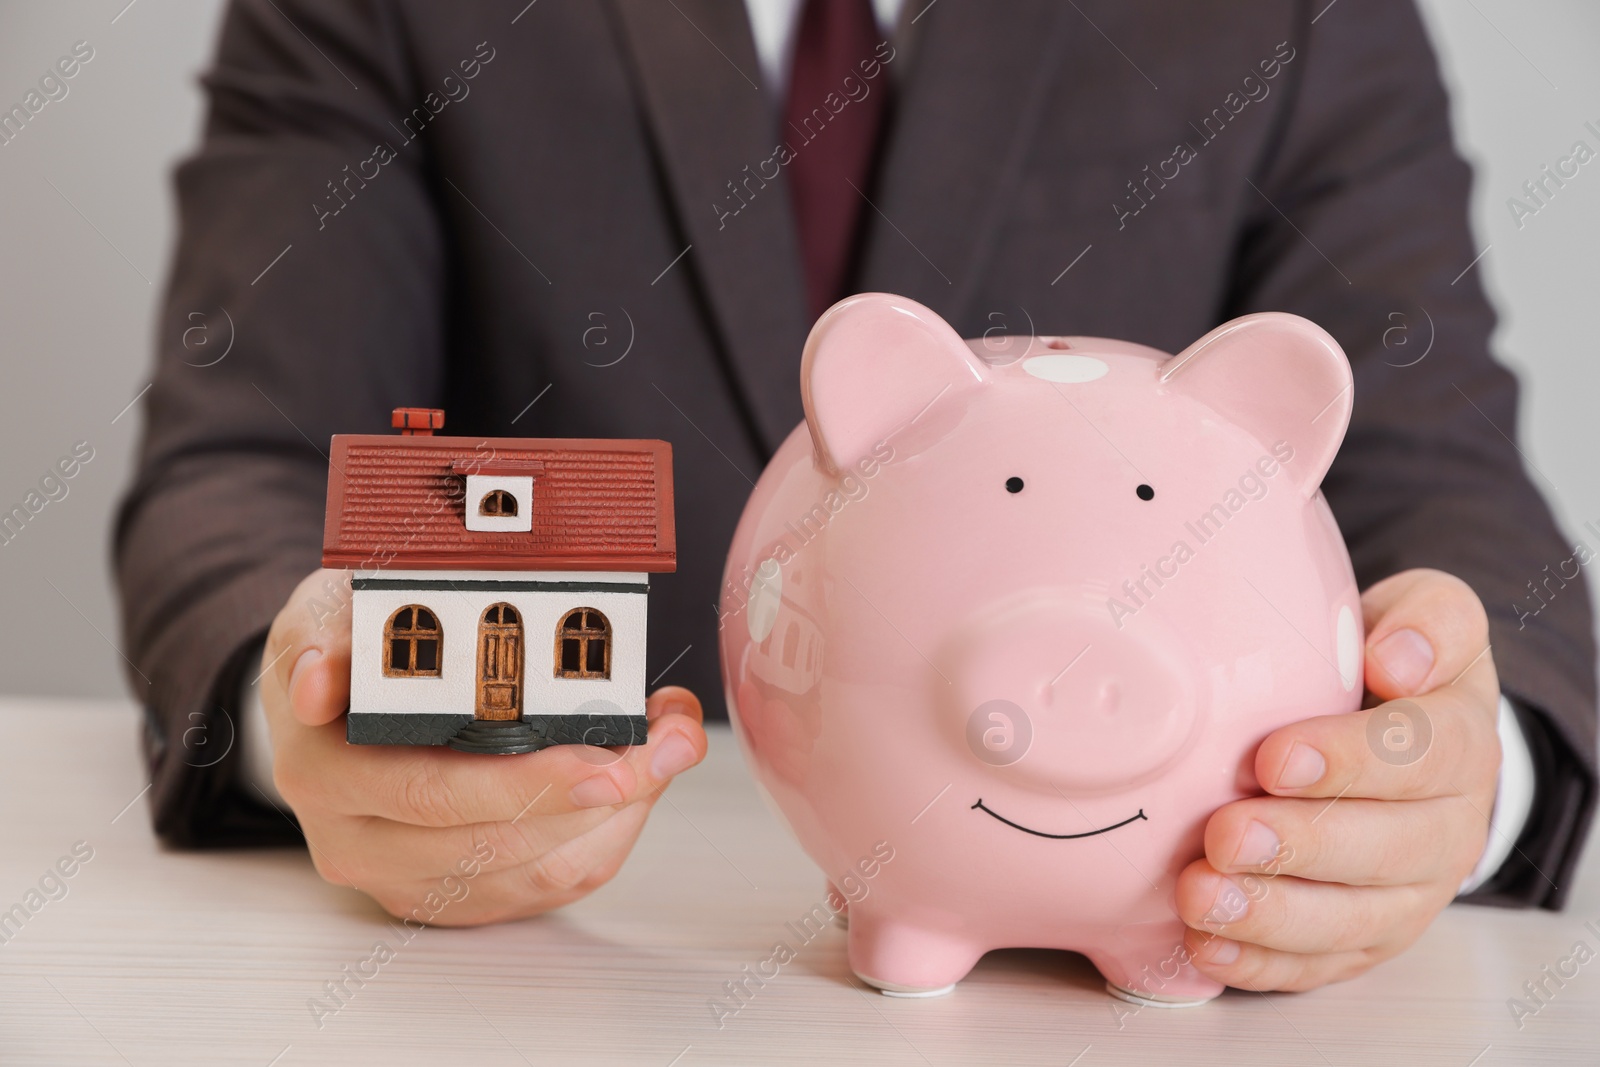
(1005,621)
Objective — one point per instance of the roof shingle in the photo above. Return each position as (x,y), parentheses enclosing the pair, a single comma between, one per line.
(397,502)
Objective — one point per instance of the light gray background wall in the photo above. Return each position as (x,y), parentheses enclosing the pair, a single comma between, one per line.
(86,225)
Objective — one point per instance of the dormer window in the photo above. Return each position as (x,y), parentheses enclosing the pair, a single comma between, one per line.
(498,502)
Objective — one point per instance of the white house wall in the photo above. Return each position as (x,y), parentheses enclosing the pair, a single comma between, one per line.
(459,611)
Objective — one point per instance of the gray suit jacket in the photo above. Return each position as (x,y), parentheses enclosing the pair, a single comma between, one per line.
(483,206)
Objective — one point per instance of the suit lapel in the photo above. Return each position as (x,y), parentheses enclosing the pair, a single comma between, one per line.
(699,80)
(964,121)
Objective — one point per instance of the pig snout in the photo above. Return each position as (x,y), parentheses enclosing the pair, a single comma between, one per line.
(1046,693)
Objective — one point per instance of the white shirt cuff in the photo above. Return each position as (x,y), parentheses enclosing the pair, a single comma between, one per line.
(255,762)
(1513,800)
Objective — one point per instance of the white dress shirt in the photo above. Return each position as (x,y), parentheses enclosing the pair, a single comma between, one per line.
(774,24)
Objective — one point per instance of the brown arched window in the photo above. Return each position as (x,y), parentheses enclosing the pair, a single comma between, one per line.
(583,645)
(413,643)
(498,504)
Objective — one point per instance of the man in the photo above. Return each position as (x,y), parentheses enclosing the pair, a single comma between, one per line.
(618,219)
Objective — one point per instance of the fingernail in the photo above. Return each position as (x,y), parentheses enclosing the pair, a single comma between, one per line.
(1221,951)
(307,659)
(1258,847)
(1304,767)
(674,756)
(1230,906)
(675,707)
(1405,656)
(596,792)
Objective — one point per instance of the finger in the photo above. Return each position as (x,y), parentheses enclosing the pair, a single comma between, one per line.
(427,786)
(560,876)
(319,828)
(677,733)
(306,661)
(1443,743)
(673,700)
(1350,841)
(676,742)
(567,873)
(1425,628)
(1296,915)
(1246,966)
(668,700)
(373,850)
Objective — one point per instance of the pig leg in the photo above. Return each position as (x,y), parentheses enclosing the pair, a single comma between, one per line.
(903,960)
(1147,964)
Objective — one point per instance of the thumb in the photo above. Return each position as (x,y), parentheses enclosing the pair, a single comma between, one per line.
(1425,629)
(308,649)
(677,734)
(673,700)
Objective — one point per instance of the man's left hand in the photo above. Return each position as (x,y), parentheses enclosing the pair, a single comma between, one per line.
(1369,827)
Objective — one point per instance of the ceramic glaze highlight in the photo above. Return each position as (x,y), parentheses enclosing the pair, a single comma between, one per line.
(1022,609)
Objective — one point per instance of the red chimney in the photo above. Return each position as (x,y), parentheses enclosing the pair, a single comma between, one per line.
(417,422)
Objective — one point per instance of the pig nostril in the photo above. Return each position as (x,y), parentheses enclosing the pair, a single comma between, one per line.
(1057,343)
(1109,700)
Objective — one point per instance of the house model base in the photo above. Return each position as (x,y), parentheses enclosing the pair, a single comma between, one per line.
(500,585)
(542,731)
(463,732)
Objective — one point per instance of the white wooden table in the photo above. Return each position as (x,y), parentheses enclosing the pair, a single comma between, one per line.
(159,957)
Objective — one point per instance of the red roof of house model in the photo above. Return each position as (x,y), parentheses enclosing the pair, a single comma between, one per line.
(397,502)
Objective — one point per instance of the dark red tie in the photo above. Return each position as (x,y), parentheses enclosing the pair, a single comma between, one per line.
(834,145)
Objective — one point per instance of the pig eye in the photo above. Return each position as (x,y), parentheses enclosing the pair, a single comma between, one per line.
(1013,485)
(1145,492)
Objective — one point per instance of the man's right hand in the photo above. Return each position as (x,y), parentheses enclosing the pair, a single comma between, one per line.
(395,821)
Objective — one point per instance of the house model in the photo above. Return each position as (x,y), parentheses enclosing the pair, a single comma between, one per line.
(500,584)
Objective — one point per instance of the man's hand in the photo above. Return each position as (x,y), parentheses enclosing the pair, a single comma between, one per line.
(1370,826)
(535,831)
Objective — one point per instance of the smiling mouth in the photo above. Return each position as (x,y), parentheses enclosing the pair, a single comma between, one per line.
(1059,837)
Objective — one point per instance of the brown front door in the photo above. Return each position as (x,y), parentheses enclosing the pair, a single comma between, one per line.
(500,664)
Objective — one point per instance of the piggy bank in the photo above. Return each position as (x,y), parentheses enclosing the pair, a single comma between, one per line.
(1004,622)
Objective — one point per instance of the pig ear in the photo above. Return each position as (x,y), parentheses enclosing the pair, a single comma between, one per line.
(1281,377)
(872,364)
